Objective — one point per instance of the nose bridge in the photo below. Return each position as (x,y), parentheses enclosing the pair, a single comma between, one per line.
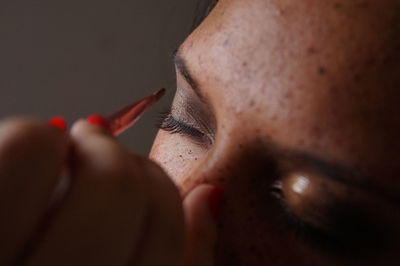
(234,162)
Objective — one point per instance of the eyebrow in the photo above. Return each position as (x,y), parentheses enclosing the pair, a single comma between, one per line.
(183,68)
(203,9)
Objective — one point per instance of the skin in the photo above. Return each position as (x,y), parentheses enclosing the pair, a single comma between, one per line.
(119,208)
(297,120)
(283,82)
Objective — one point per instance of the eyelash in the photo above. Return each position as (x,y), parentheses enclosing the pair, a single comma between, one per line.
(172,125)
(311,235)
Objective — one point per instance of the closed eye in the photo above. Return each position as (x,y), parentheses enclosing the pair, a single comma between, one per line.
(172,125)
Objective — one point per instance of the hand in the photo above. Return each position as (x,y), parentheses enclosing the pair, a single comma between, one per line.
(120,209)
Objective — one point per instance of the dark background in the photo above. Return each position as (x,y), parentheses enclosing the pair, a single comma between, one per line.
(78,57)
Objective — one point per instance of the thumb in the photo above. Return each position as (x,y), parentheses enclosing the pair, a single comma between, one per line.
(201,207)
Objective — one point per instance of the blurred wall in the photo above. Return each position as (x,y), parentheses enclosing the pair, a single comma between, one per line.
(78,57)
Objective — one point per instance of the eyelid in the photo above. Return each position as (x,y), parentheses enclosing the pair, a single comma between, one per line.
(173,125)
(337,212)
(308,222)
(337,171)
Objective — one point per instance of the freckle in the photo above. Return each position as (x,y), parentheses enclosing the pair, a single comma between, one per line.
(322,70)
(244,64)
(316,132)
(312,50)
(337,6)
(190,152)
(180,155)
(288,95)
(357,77)
(252,103)
(195,159)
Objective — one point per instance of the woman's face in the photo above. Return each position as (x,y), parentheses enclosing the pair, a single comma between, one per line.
(292,106)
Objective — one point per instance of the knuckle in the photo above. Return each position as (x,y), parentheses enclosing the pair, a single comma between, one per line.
(27,136)
(82,129)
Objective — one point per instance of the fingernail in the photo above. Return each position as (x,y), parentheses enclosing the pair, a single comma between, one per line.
(58,122)
(99,120)
(215,199)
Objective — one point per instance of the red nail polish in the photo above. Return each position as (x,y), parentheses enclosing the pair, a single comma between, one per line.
(58,122)
(215,199)
(99,120)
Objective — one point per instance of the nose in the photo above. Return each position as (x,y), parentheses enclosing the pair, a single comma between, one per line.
(248,214)
(238,165)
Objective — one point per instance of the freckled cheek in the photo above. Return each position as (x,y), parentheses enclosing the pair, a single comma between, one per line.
(177,155)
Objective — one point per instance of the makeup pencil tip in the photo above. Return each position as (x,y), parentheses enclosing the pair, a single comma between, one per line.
(125,117)
(160,93)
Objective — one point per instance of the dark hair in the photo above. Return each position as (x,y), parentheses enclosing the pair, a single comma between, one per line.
(203,8)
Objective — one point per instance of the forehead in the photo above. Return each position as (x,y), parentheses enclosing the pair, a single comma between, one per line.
(295,75)
(266,40)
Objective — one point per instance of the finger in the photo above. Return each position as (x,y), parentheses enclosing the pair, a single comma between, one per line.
(162,241)
(32,154)
(200,208)
(102,215)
